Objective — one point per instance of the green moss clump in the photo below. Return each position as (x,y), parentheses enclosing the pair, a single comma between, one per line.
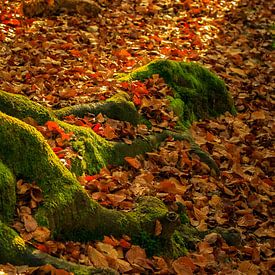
(11,245)
(117,107)
(152,244)
(7,193)
(178,245)
(21,107)
(198,93)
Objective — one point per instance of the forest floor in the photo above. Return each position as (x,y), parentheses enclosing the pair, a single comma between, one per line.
(65,60)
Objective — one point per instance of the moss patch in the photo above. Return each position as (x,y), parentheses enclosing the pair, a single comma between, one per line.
(21,107)
(11,245)
(198,93)
(7,193)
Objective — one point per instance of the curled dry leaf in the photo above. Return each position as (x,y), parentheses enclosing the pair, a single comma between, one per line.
(29,223)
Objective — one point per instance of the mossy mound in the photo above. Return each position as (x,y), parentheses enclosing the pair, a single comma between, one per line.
(7,191)
(198,93)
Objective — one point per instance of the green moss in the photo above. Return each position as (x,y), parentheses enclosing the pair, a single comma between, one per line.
(11,245)
(117,107)
(121,150)
(151,243)
(21,107)
(198,93)
(7,193)
(178,245)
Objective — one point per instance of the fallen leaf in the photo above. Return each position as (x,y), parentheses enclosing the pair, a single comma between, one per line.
(134,162)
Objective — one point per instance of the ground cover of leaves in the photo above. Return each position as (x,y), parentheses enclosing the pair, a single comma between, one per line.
(64,60)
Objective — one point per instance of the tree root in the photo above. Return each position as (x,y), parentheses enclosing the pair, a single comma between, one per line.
(117,107)
(14,250)
(67,209)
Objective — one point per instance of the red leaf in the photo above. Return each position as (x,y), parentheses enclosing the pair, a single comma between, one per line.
(96,127)
(57,149)
(125,85)
(123,243)
(41,247)
(90,178)
(12,22)
(136,100)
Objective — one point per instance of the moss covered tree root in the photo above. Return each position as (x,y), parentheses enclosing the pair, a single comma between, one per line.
(67,210)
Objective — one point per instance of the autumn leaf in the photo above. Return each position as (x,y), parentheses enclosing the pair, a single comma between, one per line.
(29,223)
(134,162)
(158,228)
(111,240)
(125,244)
(183,266)
(12,22)
(123,54)
(41,234)
(97,258)
(171,185)
(75,53)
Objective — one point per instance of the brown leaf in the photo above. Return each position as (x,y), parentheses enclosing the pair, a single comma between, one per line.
(67,93)
(137,256)
(123,266)
(116,198)
(97,258)
(109,132)
(29,223)
(248,267)
(158,228)
(107,249)
(247,220)
(183,266)
(238,71)
(41,234)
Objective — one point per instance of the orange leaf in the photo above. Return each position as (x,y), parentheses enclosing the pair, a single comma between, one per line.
(109,132)
(123,54)
(258,115)
(133,162)
(172,185)
(111,240)
(75,53)
(53,126)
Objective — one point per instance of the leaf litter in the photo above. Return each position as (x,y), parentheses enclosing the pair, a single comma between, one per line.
(66,60)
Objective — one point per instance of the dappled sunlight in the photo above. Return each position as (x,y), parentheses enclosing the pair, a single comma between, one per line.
(223,176)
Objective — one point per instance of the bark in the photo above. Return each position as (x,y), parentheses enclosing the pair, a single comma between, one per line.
(67,210)
(33,8)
